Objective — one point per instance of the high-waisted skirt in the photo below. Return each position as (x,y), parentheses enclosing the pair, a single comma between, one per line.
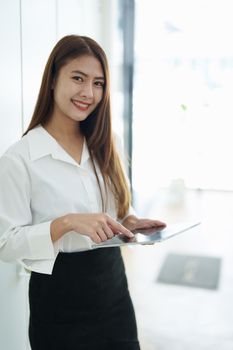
(84,305)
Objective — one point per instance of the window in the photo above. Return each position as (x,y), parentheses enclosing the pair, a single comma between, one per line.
(183,88)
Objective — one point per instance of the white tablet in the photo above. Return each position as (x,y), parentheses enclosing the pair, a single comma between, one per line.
(147,236)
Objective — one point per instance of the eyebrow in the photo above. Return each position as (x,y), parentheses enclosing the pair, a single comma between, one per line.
(86,75)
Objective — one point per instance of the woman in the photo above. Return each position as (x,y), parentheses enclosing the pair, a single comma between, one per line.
(63,189)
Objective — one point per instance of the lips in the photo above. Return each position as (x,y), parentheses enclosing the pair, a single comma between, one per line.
(81,105)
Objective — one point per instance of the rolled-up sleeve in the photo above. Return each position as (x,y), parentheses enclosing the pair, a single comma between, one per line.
(19,238)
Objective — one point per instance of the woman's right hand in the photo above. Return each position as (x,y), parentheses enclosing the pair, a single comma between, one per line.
(99,227)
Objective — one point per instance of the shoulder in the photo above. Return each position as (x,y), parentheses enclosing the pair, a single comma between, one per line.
(18,148)
(16,154)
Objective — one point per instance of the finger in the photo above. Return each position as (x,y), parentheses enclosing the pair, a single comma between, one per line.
(108,231)
(100,232)
(96,238)
(160,223)
(118,228)
(151,223)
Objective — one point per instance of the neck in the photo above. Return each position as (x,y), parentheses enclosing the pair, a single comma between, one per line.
(63,128)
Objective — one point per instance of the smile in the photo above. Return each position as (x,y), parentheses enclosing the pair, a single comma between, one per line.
(81,105)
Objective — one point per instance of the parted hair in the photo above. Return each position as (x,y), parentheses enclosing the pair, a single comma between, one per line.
(97,128)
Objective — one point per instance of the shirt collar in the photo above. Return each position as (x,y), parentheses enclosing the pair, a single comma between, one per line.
(41,143)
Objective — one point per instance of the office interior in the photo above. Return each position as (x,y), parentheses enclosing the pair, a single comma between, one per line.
(171,65)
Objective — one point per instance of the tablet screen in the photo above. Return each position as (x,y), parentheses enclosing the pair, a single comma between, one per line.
(148,236)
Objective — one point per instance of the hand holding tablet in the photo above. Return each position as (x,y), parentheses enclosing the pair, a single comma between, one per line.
(150,235)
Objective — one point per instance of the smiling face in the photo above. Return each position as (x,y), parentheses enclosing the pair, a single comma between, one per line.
(78,88)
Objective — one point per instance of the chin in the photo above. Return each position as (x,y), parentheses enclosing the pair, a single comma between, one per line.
(79,118)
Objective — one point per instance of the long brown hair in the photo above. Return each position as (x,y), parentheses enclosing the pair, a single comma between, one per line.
(97,128)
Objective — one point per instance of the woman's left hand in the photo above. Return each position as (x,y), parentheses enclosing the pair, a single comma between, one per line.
(132,223)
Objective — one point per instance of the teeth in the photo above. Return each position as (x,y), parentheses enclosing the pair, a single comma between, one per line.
(80,104)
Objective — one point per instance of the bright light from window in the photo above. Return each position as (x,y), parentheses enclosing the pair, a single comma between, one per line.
(183,94)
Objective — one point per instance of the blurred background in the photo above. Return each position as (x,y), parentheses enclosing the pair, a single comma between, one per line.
(171,65)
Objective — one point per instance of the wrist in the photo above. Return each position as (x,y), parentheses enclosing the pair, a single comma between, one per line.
(130,222)
(60,226)
(68,222)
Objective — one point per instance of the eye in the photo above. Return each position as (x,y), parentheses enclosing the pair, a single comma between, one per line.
(77,78)
(99,83)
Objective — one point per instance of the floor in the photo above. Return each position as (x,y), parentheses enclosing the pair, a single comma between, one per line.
(172,317)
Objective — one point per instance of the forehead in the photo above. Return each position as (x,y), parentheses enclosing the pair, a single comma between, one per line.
(86,64)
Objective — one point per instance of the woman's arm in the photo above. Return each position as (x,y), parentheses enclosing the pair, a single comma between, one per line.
(98,226)
(19,238)
(132,223)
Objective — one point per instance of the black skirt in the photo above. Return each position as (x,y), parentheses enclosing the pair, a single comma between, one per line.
(84,304)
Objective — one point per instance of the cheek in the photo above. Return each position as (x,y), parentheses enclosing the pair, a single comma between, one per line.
(99,96)
(61,95)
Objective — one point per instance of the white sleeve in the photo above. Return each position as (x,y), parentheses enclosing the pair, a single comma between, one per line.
(19,239)
(119,148)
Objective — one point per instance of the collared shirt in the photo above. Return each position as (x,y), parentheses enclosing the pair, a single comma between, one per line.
(39,182)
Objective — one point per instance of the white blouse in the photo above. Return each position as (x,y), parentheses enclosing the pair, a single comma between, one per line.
(39,182)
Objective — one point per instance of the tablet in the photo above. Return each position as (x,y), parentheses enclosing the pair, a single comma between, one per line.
(148,236)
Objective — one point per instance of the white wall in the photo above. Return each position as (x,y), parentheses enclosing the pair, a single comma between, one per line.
(10,72)
(13,314)
(28,31)
(38,38)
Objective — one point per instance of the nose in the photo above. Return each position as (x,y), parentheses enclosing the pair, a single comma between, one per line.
(87,90)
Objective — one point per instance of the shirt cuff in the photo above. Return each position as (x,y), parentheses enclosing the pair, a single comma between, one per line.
(40,241)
